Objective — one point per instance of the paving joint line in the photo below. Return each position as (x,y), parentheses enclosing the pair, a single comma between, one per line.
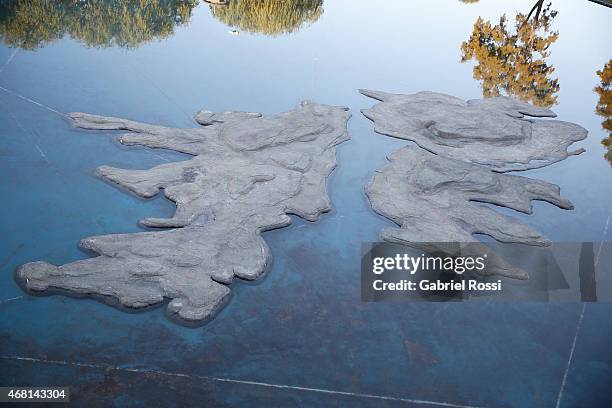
(569,360)
(235,381)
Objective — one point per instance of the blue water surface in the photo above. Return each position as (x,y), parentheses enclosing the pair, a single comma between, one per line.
(304,324)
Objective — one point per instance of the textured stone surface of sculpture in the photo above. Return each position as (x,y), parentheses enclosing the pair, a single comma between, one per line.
(247,174)
(495,132)
(434,199)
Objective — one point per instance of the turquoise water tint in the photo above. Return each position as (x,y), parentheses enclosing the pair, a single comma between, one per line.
(303,324)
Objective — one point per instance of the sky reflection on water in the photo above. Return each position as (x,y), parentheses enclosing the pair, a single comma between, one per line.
(304,324)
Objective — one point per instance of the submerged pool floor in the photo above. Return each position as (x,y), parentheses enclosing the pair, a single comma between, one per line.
(301,335)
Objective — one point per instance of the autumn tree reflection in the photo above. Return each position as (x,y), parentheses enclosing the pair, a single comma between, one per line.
(604,106)
(270,17)
(30,24)
(513,61)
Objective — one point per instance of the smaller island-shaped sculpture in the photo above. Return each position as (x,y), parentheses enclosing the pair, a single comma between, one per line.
(247,174)
(436,200)
(494,132)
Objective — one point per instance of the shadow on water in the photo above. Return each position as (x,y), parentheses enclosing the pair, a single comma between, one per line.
(513,61)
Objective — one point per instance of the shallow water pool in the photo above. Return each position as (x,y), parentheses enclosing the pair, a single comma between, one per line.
(301,335)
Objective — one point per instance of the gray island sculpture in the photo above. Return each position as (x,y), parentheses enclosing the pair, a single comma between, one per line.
(495,132)
(433,192)
(248,172)
(436,200)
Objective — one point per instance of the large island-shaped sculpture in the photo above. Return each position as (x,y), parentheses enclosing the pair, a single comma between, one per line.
(494,132)
(434,192)
(247,174)
(435,200)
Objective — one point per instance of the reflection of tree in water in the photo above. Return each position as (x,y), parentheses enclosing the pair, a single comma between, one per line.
(128,23)
(270,17)
(514,61)
(604,105)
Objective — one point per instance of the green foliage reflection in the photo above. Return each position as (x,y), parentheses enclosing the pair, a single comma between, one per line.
(30,24)
(270,17)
